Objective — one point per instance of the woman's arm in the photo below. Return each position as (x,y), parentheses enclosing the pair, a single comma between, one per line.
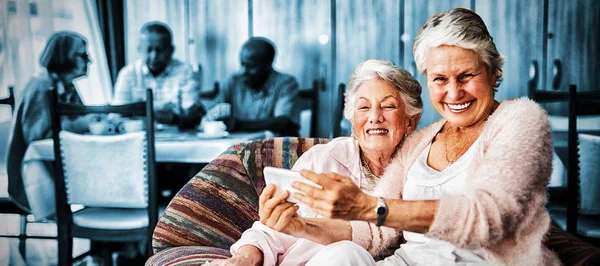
(342,199)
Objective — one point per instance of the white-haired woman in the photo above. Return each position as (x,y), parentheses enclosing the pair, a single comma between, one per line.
(472,186)
(383,103)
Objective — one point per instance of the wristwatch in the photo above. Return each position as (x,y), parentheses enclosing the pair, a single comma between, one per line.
(381,210)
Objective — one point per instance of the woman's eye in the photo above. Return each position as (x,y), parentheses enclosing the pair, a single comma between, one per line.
(438,79)
(363,107)
(465,76)
(389,107)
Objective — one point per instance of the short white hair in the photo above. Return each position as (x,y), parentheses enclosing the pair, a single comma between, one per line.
(408,87)
(463,28)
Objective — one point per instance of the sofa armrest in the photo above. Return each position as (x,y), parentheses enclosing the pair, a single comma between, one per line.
(212,210)
(570,249)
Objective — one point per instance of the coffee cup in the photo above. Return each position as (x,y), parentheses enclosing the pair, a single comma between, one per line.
(128,126)
(101,128)
(214,127)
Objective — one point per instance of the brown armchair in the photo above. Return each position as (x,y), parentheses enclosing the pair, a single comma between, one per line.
(213,209)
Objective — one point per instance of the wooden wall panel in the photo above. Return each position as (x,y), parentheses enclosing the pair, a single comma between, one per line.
(518,37)
(574,27)
(416,13)
(366,29)
(295,27)
(217,33)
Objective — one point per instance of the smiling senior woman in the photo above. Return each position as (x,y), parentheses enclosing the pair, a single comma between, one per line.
(472,186)
(383,103)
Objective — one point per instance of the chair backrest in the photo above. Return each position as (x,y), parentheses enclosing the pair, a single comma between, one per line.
(72,150)
(589,160)
(10,100)
(580,103)
(309,100)
(338,116)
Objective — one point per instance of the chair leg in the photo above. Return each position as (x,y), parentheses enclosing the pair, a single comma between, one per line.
(65,246)
(107,256)
(23,235)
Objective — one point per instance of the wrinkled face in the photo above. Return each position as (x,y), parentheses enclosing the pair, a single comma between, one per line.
(156,50)
(380,120)
(81,59)
(255,68)
(460,87)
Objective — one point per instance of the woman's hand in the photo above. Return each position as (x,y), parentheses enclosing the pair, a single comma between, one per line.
(339,198)
(279,214)
(246,255)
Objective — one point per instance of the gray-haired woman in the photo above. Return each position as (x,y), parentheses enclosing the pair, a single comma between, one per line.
(64,58)
(383,103)
(472,186)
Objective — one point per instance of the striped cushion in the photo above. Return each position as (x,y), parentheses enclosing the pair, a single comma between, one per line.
(221,201)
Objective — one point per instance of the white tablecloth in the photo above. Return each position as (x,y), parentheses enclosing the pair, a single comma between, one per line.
(171,146)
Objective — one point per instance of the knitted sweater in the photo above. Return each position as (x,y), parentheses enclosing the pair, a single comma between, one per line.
(502,209)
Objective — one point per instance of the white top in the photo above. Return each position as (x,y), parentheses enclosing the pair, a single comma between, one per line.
(426,183)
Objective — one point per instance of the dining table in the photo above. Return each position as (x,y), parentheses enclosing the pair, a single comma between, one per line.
(171,146)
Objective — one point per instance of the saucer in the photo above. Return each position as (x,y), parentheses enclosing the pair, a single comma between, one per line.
(212,136)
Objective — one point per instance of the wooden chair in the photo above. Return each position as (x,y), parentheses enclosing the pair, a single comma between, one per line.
(116,185)
(338,117)
(309,100)
(580,103)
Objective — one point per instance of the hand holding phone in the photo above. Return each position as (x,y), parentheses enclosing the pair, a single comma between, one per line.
(283,178)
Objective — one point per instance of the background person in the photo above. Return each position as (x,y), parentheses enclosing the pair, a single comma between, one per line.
(259,97)
(176,92)
(383,103)
(472,185)
(65,59)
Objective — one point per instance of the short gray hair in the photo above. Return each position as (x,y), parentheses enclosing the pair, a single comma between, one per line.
(463,28)
(408,87)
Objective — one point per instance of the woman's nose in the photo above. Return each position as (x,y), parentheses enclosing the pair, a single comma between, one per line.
(454,91)
(375,115)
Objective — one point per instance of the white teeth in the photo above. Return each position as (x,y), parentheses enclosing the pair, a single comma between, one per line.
(459,106)
(377,131)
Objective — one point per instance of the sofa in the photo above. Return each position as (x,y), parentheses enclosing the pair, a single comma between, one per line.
(215,207)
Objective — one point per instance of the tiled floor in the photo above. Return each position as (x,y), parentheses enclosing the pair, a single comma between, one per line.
(38,251)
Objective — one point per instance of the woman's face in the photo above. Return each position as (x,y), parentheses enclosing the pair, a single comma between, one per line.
(380,120)
(81,58)
(460,87)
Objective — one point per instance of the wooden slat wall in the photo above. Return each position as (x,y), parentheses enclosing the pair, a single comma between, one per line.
(218,32)
(504,20)
(575,44)
(295,26)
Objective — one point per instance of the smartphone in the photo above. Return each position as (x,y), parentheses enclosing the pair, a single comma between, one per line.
(283,178)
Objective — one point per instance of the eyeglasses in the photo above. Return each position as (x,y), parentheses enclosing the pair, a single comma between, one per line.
(84,56)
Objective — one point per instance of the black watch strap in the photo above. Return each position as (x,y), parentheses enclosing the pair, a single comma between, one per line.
(381,210)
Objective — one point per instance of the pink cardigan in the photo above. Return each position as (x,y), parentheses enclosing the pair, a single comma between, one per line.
(341,155)
(503,209)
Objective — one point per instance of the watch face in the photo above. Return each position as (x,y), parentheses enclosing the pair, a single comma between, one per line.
(381,210)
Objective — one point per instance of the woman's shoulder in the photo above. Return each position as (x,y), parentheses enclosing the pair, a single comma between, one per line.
(519,112)
(337,145)
(37,86)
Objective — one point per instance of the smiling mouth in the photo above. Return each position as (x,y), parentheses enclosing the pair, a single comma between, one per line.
(377,131)
(459,107)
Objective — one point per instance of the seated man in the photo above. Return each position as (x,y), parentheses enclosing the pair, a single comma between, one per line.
(176,92)
(258,98)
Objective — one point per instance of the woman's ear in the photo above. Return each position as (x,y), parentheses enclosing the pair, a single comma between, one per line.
(412,122)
